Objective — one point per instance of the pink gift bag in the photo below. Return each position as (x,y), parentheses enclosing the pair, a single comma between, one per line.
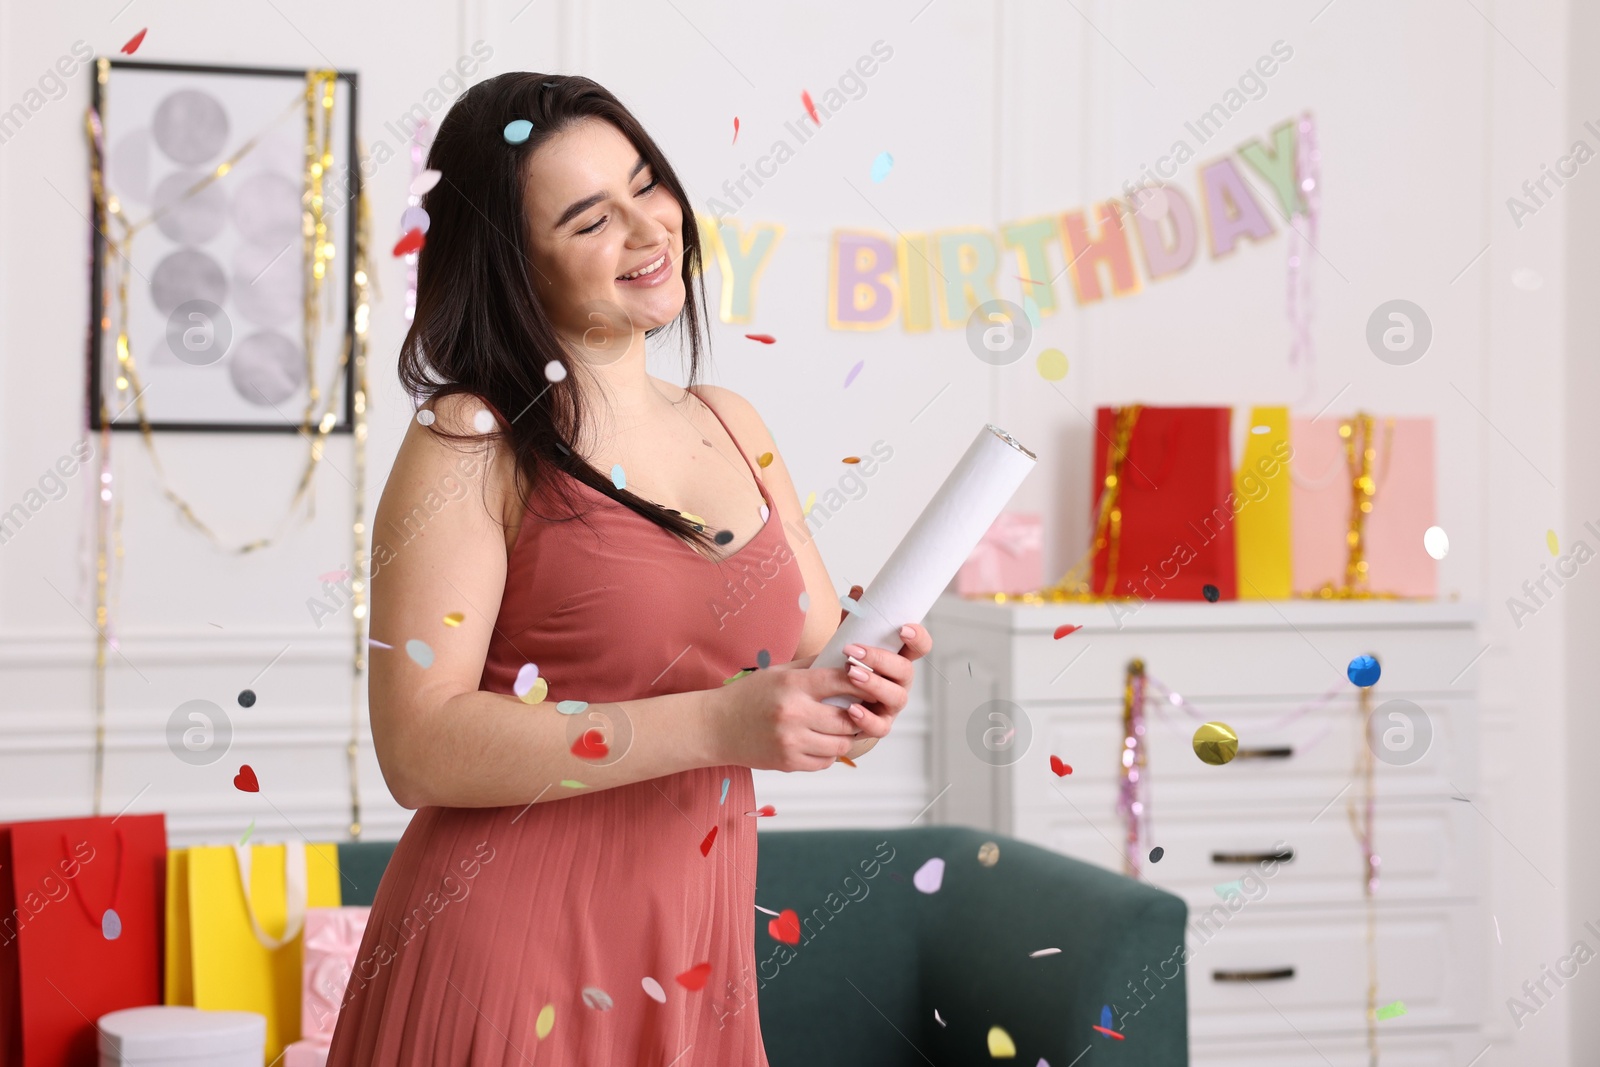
(1402,506)
(332,940)
(1009,558)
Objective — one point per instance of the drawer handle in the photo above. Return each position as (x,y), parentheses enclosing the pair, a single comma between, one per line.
(1253,976)
(1286,752)
(1283,856)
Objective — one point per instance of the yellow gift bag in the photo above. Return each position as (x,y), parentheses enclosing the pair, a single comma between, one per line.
(229,949)
(1261,525)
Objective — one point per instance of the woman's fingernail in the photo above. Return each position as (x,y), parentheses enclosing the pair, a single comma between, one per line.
(857,674)
(857,711)
(908,631)
(855,650)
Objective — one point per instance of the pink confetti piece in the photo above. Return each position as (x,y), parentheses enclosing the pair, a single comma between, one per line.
(735,128)
(811,109)
(848,378)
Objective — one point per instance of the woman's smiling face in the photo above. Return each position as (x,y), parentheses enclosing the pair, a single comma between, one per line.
(596,215)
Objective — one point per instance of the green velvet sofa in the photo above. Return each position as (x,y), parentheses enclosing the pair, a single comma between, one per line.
(877,957)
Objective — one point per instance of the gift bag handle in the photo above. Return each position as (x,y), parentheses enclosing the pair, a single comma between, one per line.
(294,877)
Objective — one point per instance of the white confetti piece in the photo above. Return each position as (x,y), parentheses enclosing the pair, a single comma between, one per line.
(598,999)
(420,652)
(653,990)
(482,421)
(1044,952)
(425,417)
(424,181)
(930,876)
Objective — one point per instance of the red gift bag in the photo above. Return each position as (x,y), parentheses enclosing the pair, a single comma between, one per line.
(1168,532)
(81,908)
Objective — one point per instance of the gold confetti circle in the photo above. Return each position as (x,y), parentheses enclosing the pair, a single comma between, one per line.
(765,459)
(545,1022)
(1052,364)
(852,459)
(455,618)
(536,692)
(1216,743)
(988,853)
(1552,542)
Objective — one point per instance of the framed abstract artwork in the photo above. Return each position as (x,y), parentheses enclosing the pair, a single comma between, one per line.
(223,269)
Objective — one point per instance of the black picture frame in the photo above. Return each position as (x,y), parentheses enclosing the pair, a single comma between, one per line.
(345,263)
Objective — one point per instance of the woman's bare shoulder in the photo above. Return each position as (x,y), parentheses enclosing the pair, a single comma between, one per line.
(740,415)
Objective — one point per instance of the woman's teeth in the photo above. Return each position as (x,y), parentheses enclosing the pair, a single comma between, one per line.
(649,269)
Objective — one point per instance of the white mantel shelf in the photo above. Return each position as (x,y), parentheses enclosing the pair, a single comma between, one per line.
(1161,615)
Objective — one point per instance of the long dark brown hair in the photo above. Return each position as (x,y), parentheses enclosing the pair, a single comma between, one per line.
(479,328)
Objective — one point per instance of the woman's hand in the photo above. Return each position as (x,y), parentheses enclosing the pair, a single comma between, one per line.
(888,684)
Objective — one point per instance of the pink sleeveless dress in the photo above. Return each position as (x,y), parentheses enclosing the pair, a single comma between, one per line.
(587,909)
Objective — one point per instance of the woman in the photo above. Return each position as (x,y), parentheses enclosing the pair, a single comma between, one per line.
(580,873)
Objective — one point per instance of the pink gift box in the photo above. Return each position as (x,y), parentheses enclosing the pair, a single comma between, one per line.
(332,940)
(1009,558)
(307,1052)
(1402,506)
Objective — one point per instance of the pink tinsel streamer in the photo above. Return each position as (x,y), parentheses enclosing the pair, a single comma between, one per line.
(1133,793)
(1302,239)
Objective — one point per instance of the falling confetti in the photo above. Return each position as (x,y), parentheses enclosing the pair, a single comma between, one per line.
(526,687)
(653,990)
(786,927)
(545,1022)
(571,707)
(1051,364)
(937,1019)
(1001,1047)
(1061,769)
(1228,889)
(517,131)
(811,498)
(1390,1011)
(245,780)
(573,783)
(705,844)
(412,241)
(425,417)
(1156,854)
(763,811)
(930,876)
(764,460)
(723,537)
(482,420)
(1211,593)
(724,797)
(695,977)
(424,181)
(811,109)
(852,459)
(1044,952)
(765,911)
(1064,630)
(134,42)
(1496,919)
(763,659)
(333,576)
(1364,671)
(881,166)
(804,601)
(598,999)
(848,378)
(1216,743)
(988,853)
(248,831)
(764,514)
(1436,542)
(591,744)
(764,338)
(455,618)
(1111,1033)
(420,652)
(1552,542)
(736,677)
(555,371)
(1105,1015)
(618,479)
(735,130)
(111,927)
(247,698)
(847,761)
(375,643)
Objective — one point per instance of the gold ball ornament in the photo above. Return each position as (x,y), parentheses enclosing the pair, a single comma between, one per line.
(1216,743)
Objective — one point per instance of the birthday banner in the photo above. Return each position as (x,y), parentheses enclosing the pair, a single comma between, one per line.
(940,278)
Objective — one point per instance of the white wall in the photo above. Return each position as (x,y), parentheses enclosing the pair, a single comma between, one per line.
(1430,115)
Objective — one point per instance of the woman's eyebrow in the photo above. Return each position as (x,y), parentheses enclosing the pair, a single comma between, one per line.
(578,207)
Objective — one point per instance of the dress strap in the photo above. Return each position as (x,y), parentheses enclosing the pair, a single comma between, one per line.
(754,472)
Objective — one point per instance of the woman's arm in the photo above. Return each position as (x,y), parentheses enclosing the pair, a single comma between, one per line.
(439,740)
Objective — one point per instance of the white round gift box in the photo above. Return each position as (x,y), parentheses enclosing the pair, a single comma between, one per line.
(173,1036)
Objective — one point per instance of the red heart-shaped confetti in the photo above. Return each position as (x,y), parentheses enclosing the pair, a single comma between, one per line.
(134,42)
(1062,631)
(705,846)
(411,242)
(764,338)
(1061,769)
(246,780)
(811,109)
(695,977)
(766,809)
(591,745)
(786,927)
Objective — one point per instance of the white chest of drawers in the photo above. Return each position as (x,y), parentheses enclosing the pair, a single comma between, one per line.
(1283,978)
